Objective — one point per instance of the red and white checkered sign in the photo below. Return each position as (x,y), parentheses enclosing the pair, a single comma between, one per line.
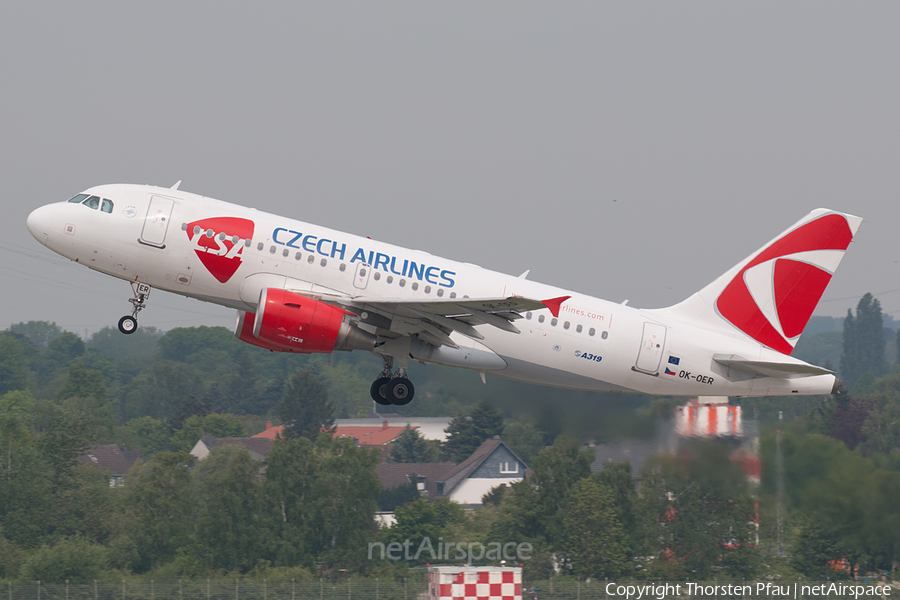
(475,583)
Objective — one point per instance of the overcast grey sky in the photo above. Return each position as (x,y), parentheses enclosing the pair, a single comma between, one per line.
(622,149)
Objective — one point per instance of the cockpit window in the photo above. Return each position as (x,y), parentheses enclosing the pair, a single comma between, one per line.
(106,205)
(77,199)
(92,202)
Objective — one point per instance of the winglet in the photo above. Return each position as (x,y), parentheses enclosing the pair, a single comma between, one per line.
(554,303)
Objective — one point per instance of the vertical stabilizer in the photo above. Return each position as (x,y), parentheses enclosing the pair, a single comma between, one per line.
(770,295)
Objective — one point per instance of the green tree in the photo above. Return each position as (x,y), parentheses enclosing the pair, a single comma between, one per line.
(524,439)
(466,433)
(698,516)
(161,389)
(26,494)
(39,333)
(411,447)
(532,510)
(305,409)
(595,543)
(13,365)
(83,395)
(158,509)
(62,351)
(72,559)
(145,434)
(863,341)
(216,425)
(231,518)
(142,342)
(181,343)
(324,492)
(420,527)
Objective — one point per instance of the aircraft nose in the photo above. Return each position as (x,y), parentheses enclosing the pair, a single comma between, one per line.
(40,222)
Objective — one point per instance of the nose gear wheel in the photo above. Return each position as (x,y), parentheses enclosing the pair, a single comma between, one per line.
(128,323)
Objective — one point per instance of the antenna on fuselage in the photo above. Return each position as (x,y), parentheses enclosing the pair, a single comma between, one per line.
(175,187)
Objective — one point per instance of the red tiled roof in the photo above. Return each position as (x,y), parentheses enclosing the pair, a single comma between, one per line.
(272,433)
(110,457)
(374,435)
(370,436)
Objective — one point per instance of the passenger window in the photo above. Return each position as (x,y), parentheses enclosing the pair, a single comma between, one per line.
(342,268)
(566,325)
(453,294)
(402,282)
(592,331)
(259,246)
(415,286)
(440,292)
(285,252)
(92,202)
(377,275)
(554,321)
(362,272)
(78,199)
(272,250)
(604,335)
(197,231)
(390,279)
(184,226)
(298,256)
(323,262)
(579,329)
(540,318)
(107,206)
(528,316)
(311,259)
(427,289)
(246,243)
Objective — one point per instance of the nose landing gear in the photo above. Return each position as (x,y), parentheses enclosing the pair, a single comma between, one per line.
(392,389)
(128,323)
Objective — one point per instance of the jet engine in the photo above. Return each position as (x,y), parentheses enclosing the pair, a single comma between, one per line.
(289,322)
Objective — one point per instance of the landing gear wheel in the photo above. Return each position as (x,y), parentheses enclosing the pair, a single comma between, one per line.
(378,391)
(400,391)
(127,324)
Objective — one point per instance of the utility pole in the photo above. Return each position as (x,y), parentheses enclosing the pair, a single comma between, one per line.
(779,486)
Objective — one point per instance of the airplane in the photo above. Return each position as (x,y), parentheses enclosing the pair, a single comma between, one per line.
(298,287)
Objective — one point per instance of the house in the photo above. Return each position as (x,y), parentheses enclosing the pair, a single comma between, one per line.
(257,447)
(369,434)
(491,465)
(111,458)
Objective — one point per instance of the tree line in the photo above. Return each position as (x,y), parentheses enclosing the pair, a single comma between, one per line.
(312,508)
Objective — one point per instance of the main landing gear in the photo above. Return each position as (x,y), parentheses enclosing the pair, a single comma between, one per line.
(128,323)
(392,389)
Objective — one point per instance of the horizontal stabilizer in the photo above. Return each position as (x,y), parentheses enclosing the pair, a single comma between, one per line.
(784,370)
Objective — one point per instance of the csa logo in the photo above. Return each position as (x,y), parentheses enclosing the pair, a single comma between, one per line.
(219,243)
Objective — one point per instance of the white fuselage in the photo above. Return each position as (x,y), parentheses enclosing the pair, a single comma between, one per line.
(593,344)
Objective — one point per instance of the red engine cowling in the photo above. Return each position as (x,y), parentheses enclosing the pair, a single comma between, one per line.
(290,322)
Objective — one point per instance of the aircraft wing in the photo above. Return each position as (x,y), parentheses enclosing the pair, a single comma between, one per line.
(784,369)
(434,319)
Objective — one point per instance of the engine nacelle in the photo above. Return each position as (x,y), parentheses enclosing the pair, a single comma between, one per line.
(289,322)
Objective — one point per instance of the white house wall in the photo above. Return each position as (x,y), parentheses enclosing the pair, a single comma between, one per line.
(471,491)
